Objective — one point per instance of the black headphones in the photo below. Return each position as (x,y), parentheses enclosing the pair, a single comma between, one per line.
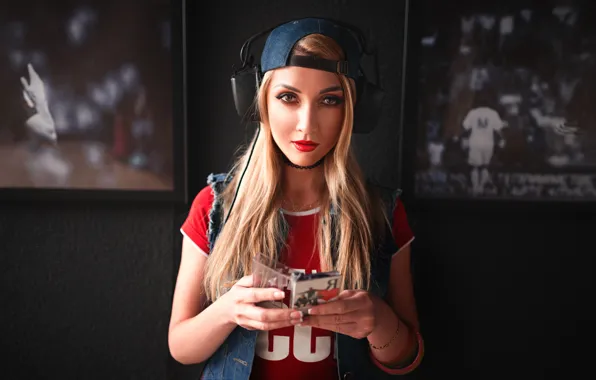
(247,79)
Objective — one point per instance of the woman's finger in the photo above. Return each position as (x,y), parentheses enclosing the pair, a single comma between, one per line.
(256,295)
(333,319)
(340,306)
(346,328)
(251,324)
(270,315)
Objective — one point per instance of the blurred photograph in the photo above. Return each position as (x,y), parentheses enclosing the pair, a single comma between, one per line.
(506,101)
(86,95)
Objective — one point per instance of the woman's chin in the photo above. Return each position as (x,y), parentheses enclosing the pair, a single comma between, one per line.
(304,161)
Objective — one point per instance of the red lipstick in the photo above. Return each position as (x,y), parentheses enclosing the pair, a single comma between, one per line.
(304,145)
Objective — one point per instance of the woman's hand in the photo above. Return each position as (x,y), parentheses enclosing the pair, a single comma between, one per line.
(353,313)
(242,299)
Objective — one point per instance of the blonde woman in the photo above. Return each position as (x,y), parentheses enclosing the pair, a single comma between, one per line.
(298,197)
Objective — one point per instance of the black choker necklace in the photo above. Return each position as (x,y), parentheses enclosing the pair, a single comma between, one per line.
(290,163)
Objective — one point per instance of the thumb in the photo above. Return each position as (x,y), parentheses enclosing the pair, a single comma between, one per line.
(246,281)
(24,83)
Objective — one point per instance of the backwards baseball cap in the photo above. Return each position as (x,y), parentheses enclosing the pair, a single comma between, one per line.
(277,53)
(280,42)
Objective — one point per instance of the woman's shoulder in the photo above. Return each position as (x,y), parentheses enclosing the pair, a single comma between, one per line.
(216,183)
(203,200)
(384,196)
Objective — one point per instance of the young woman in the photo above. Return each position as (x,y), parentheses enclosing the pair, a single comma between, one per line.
(303,201)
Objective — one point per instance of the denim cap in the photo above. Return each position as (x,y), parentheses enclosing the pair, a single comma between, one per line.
(281,41)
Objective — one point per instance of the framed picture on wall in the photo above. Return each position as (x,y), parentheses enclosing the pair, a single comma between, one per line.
(92,100)
(504,100)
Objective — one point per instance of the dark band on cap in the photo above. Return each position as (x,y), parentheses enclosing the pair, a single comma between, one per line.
(278,49)
(314,62)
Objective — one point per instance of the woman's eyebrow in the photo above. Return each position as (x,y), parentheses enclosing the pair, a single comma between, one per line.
(330,89)
(323,91)
(288,87)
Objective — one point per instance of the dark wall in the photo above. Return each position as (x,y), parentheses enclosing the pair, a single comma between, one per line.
(85,290)
(505,290)
(504,287)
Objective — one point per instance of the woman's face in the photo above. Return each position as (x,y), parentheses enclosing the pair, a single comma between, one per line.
(306,112)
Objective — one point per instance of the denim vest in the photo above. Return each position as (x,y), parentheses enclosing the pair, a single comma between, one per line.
(234,358)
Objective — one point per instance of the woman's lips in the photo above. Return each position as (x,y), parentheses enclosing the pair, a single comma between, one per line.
(305,146)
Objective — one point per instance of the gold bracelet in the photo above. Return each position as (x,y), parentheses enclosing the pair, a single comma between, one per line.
(392,339)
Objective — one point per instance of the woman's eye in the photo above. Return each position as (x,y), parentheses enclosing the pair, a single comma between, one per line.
(286,97)
(332,100)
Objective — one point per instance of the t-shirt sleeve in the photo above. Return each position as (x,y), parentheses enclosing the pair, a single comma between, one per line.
(468,122)
(402,233)
(196,225)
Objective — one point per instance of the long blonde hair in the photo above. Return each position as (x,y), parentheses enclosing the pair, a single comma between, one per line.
(256,224)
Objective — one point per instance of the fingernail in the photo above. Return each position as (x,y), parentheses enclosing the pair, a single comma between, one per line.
(309,312)
(279,294)
(296,315)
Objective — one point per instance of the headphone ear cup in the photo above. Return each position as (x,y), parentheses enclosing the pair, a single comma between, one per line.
(369,102)
(245,83)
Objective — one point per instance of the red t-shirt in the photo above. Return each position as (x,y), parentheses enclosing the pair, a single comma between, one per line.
(296,352)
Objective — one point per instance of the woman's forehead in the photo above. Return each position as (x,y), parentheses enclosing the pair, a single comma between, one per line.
(304,79)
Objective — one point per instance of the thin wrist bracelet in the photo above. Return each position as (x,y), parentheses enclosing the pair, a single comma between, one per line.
(391,341)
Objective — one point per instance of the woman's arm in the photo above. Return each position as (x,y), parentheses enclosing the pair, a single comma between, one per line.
(394,341)
(189,340)
(196,333)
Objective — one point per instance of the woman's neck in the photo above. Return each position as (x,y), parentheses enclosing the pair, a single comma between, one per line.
(303,187)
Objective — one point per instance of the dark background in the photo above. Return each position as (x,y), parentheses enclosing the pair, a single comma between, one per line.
(504,289)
